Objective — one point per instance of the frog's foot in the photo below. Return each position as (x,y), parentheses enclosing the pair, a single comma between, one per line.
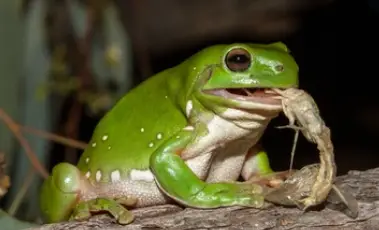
(272,180)
(229,194)
(84,210)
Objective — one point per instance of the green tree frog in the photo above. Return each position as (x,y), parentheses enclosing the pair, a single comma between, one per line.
(185,135)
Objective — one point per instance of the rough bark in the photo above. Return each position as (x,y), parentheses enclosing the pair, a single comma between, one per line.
(364,185)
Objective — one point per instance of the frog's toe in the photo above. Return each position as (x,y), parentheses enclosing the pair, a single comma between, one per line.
(250,195)
(81,212)
(127,201)
(257,201)
(125,217)
(84,209)
(119,212)
(252,188)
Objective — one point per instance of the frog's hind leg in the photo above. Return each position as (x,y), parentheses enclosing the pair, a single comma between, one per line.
(257,169)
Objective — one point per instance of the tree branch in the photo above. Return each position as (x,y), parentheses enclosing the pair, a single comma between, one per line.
(364,185)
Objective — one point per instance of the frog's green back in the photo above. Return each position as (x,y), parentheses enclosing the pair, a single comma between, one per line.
(144,118)
(129,133)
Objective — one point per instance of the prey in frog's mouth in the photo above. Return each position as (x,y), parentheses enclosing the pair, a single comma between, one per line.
(259,95)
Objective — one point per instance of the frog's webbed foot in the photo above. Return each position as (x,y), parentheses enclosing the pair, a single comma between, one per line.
(235,193)
(114,207)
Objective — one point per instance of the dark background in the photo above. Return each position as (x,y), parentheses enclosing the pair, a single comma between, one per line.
(335,43)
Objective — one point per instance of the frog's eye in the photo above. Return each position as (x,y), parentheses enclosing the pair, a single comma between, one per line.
(238,60)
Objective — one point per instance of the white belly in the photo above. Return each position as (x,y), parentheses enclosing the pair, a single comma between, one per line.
(216,157)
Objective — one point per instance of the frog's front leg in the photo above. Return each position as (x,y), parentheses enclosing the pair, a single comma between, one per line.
(179,182)
(84,210)
(61,194)
(257,169)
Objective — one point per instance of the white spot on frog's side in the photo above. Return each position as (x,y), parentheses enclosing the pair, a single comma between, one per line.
(194,68)
(88,174)
(98,175)
(189,128)
(177,137)
(159,136)
(105,137)
(166,97)
(94,144)
(189,107)
(87,160)
(151,144)
(109,147)
(115,176)
(142,130)
(142,175)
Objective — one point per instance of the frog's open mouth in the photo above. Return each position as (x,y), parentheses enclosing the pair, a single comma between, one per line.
(259,95)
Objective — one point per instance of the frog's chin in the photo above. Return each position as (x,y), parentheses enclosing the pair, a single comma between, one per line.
(263,96)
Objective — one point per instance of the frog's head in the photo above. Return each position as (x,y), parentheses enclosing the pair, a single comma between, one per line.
(242,76)
(60,192)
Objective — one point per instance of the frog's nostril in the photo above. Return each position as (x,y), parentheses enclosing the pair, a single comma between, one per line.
(279,68)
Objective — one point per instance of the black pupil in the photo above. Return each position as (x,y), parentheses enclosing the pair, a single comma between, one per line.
(239,59)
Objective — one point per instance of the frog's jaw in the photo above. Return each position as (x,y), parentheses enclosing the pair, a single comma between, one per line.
(247,99)
(255,95)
